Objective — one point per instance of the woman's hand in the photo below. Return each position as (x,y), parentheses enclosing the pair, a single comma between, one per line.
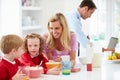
(58,59)
(54,71)
(75,69)
(73,63)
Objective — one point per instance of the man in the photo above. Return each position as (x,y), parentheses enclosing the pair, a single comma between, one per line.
(84,11)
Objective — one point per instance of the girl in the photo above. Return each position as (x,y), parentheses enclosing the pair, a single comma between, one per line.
(33,56)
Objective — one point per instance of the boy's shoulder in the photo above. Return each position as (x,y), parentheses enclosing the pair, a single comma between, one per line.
(4,65)
(7,69)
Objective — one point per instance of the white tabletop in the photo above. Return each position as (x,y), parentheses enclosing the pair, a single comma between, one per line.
(95,74)
(110,70)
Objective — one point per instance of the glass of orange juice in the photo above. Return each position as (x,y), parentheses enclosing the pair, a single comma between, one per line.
(25,71)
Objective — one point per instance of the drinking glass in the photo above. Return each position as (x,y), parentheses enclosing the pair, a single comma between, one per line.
(24,70)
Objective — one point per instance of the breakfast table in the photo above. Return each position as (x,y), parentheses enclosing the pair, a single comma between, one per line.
(109,70)
(95,74)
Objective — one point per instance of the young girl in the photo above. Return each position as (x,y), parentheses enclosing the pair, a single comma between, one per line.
(33,56)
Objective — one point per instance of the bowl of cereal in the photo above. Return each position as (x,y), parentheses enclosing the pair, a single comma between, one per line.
(35,72)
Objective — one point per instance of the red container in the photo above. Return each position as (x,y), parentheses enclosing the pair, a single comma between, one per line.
(89,67)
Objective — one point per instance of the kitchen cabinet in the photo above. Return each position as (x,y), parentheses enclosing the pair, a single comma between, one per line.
(31,13)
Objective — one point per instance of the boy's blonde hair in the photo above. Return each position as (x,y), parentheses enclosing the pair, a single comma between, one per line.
(10,42)
(31,36)
(65,37)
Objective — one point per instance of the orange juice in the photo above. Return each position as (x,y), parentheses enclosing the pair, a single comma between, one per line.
(25,78)
(53,64)
(24,72)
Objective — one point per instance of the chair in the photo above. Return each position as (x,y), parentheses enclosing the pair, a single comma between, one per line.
(78,49)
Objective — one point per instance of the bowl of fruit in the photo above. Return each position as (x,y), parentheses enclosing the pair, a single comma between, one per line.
(115,57)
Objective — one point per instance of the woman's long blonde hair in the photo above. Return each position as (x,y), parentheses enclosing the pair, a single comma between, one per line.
(65,37)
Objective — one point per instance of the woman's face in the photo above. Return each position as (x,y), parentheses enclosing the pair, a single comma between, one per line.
(33,46)
(55,29)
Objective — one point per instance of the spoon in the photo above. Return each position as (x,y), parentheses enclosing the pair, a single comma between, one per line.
(39,64)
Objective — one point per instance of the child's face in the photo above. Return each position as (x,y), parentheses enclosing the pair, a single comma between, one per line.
(33,46)
(19,52)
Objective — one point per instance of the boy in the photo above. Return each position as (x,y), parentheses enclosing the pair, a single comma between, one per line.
(11,46)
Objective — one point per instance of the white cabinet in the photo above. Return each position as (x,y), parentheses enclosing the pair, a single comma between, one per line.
(31,16)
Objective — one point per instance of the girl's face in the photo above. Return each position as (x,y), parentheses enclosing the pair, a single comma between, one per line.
(55,29)
(33,46)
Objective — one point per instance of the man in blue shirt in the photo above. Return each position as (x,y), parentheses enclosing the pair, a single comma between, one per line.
(84,11)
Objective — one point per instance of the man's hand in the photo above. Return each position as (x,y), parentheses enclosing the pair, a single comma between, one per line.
(58,59)
(88,37)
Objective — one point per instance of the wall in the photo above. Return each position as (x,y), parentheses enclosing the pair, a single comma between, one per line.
(0,18)
(51,7)
(12,21)
(10,17)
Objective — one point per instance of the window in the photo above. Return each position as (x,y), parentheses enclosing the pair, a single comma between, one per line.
(99,20)
(105,22)
(117,22)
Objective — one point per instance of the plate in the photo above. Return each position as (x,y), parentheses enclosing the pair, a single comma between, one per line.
(114,61)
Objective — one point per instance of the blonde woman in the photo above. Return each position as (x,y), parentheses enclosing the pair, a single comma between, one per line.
(59,40)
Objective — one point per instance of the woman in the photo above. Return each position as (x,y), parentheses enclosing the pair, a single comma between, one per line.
(60,41)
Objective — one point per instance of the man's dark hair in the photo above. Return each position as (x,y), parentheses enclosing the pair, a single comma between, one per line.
(89,3)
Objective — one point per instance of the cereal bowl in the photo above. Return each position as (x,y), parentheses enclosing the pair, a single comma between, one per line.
(53,64)
(83,60)
(35,72)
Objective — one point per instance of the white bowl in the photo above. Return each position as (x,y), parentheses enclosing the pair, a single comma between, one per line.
(83,60)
